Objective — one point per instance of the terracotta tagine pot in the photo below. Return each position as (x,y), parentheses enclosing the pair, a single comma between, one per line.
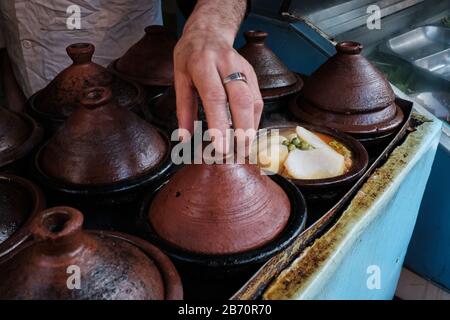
(275,80)
(348,93)
(214,218)
(53,104)
(150,60)
(110,265)
(20,201)
(19,135)
(102,149)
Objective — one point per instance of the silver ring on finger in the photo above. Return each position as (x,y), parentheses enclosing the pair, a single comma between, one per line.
(235,76)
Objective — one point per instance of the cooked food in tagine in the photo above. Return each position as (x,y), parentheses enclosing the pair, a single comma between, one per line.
(301,154)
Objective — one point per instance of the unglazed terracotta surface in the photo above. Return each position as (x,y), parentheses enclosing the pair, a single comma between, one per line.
(348,93)
(219,209)
(150,60)
(109,268)
(19,134)
(270,70)
(63,94)
(20,200)
(102,143)
(348,83)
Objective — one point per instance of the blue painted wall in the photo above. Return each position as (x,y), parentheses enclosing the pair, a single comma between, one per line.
(429,250)
(301,48)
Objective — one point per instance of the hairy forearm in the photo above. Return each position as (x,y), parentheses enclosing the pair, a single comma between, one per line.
(222,17)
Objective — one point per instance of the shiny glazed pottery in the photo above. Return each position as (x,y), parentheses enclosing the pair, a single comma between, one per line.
(101,149)
(53,104)
(275,80)
(20,201)
(111,265)
(225,227)
(150,60)
(348,93)
(19,135)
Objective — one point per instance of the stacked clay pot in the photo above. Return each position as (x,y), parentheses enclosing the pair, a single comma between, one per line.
(53,104)
(150,60)
(348,93)
(102,147)
(219,209)
(19,135)
(65,262)
(20,201)
(275,80)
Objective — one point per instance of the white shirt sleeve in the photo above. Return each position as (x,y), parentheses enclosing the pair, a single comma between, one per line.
(37,34)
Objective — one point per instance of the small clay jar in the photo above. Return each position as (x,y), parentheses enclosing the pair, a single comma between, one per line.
(150,60)
(65,262)
(102,148)
(19,135)
(20,201)
(53,104)
(275,80)
(348,93)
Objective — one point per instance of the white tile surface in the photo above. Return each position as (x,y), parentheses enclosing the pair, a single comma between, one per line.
(412,287)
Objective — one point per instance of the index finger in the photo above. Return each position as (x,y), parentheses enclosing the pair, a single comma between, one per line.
(214,99)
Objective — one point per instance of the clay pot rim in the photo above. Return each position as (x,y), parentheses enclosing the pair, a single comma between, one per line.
(363,130)
(150,82)
(277,93)
(359,155)
(138,100)
(97,190)
(294,227)
(22,150)
(38,201)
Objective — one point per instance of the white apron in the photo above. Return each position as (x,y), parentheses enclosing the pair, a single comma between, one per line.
(35,33)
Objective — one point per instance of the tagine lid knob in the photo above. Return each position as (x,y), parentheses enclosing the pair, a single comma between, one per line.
(95,97)
(349,47)
(81,53)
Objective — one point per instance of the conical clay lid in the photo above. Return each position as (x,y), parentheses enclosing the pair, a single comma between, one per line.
(63,94)
(219,209)
(150,60)
(102,143)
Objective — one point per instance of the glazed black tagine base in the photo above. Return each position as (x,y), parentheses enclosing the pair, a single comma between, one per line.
(220,275)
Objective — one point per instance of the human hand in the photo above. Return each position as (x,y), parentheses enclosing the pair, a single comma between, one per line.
(203,57)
